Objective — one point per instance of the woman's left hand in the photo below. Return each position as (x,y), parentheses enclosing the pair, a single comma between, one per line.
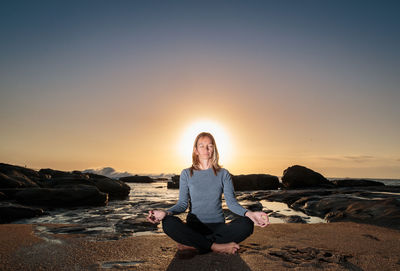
(259,218)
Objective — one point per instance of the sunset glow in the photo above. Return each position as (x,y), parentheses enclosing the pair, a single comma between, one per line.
(220,135)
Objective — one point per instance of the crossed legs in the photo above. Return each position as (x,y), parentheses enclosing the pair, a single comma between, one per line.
(210,236)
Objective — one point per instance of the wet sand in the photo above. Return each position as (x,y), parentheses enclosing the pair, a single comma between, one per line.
(331,246)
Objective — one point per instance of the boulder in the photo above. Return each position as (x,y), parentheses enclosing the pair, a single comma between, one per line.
(3,196)
(174,183)
(80,195)
(22,174)
(62,174)
(137,179)
(299,177)
(241,182)
(115,188)
(14,176)
(384,212)
(67,181)
(255,182)
(294,219)
(10,212)
(355,182)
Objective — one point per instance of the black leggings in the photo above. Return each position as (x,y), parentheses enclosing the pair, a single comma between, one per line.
(202,235)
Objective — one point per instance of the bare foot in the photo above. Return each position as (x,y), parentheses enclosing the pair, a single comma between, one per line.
(184,247)
(229,248)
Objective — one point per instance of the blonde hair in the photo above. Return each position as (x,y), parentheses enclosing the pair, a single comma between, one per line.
(195,158)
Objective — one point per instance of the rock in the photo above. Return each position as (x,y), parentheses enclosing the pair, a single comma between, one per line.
(137,179)
(255,182)
(116,189)
(241,182)
(385,212)
(291,196)
(135,225)
(299,176)
(355,182)
(320,206)
(174,183)
(294,219)
(62,174)
(7,182)
(10,212)
(67,181)
(80,195)
(377,205)
(2,196)
(15,176)
(254,207)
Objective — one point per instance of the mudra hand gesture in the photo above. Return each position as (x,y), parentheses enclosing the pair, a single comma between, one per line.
(155,216)
(259,218)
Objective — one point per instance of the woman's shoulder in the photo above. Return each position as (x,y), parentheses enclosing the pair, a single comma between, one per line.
(185,170)
(224,171)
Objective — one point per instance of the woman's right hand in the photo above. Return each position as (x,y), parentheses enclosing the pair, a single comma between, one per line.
(155,216)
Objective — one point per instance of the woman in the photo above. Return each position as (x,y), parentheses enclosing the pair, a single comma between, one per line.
(202,185)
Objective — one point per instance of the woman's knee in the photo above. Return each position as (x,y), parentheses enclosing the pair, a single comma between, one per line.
(248,225)
(170,222)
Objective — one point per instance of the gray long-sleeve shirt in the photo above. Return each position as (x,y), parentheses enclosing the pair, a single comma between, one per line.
(204,190)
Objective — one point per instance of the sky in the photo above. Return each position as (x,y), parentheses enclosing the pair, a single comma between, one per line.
(129,84)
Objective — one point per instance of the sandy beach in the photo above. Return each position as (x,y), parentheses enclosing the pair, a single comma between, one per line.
(332,246)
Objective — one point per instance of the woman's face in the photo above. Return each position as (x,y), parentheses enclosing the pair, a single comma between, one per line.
(205,148)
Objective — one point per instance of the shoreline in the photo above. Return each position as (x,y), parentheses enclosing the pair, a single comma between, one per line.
(332,246)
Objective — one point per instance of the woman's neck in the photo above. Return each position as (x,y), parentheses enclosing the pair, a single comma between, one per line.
(205,164)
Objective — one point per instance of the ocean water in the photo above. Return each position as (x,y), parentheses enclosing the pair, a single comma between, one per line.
(122,218)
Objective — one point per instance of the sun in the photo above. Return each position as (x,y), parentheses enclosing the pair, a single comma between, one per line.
(223,142)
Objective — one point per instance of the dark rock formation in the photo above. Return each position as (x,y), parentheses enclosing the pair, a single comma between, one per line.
(355,182)
(135,225)
(242,182)
(174,183)
(59,174)
(294,219)
(378,205)
(137,179)
(2,196)
(81,195)
(115,188)
(299,176)
(15,176)
(255,182)
(10,212)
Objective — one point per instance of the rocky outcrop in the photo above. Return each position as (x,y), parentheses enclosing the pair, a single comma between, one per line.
(378,205)
(137,179)
(55,188)
(300,177)
(255,182)
(17,177)
(10,212)
(174,183)
(80,195)
(116,189)
(242,182)
(2,196)
(355,182)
